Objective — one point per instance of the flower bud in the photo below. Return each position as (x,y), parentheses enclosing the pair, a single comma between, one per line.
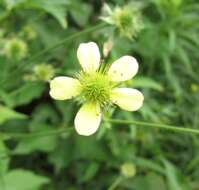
(44,72)
(128,170)
(41,72)
(15,49)
(29,33)
(107,47)
(194,87)
(127,20)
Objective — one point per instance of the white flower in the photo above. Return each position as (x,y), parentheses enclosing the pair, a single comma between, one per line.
(97,87)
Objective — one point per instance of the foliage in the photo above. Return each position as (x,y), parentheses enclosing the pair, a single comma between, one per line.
(39,148)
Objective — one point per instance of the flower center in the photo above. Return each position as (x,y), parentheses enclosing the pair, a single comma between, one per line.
(123,18)
(96,87)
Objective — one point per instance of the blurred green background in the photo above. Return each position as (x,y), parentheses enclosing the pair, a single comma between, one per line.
(40,150)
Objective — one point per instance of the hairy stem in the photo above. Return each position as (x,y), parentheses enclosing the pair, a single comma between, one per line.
(7,136)
(155,125)
(116,183)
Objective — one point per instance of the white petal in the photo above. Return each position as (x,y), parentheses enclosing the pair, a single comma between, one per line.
(89,56)
(62,88)
(88,119)
(123,69)
(127,98)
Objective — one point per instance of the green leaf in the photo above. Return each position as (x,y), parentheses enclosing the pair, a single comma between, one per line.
(90,172)
(151,181)
(4,159)
(175,179)
(12,3)
(149,164)
(7,114)
(26,93)
(81,13)
(31,144)
(20,179)
(56,8)
(145,82)
(5,98)
(59,158)
(41,143)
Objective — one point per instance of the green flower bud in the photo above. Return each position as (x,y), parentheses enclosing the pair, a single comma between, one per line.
(15,49)
(44,72)
(194,87)
(128,170)
(29,33)
(126,19)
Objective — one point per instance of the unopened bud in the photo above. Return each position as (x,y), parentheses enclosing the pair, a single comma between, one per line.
(15,49)
(44,72)
(107,47)
(128,170)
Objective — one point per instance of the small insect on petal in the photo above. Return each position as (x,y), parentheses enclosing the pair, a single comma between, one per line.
(123,69)
(127,98)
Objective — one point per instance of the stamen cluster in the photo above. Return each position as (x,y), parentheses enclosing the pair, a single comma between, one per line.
(96,87)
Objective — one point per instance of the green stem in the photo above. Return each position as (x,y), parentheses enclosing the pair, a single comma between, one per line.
(58,44)
(7,136)
(155,125)
(35,134)
(116,183)
(67,39)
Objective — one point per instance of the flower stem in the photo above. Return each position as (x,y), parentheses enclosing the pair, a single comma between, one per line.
(7,136)
(116,183)
(155,125)
(67,39)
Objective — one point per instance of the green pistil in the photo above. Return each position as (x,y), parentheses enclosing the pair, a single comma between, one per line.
(124,20)
(96,87)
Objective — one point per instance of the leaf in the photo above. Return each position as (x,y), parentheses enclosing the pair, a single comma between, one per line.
(7,114)
(26,93)
(171,76)
(147,83)
(4,159)
(12,3)
(31,144)
(89,147)
(41,143)
(56,8)
(59,158)
(81,13)
(149,164)
(23,180)
(176,180)
(90,172)
(5,98)
(150,182)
